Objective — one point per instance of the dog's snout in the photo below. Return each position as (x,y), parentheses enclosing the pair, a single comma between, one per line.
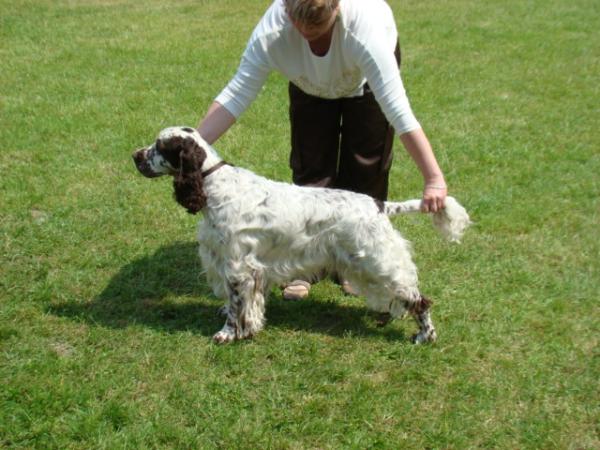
(141,162)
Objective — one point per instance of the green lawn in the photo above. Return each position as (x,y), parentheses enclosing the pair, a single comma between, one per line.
(105,320)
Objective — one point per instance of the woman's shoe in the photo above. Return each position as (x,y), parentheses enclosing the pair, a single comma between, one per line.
(296,290)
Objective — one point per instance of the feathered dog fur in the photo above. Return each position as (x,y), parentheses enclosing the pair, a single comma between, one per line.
(257,233)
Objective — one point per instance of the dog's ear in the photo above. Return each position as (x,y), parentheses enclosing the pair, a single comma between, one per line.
(188,182)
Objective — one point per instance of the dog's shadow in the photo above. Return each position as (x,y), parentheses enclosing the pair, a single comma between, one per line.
(166,291)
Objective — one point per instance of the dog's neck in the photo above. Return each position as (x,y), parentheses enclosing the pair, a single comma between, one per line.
(214,168)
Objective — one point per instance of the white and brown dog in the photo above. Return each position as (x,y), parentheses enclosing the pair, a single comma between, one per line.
(258,233)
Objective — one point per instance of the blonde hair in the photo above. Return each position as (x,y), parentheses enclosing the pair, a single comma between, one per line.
(312,12)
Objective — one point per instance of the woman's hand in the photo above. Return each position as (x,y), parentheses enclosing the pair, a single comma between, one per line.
(434,196)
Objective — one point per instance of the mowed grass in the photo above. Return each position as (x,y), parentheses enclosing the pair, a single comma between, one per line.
(105,319)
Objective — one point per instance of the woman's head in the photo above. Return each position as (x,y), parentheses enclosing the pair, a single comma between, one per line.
(311,12)
(312,18)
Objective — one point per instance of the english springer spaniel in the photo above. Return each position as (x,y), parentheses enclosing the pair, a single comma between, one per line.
(258,233)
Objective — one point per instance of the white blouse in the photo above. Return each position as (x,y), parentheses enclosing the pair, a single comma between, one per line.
(361,51)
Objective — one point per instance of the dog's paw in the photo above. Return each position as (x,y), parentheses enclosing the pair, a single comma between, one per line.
(224,336)
(424,337)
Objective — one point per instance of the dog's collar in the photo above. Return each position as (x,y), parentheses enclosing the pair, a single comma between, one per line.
(214,168)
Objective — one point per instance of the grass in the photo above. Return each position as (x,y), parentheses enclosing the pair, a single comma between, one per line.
(105,323)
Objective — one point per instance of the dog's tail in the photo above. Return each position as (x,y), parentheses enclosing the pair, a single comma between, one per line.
(451,222)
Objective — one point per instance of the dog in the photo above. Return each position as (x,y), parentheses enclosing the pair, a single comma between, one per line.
(258,233)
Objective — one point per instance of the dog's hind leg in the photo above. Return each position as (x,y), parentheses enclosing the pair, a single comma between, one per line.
(420,312)
(245,311)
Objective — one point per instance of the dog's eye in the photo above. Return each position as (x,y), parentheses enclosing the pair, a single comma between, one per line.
(188,130)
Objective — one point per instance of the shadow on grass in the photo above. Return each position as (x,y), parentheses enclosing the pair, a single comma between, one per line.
(166,291)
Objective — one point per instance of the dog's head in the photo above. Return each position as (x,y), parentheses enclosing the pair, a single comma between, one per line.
(180,152)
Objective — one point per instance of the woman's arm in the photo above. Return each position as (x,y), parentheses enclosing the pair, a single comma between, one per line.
(419,148)
(216,122)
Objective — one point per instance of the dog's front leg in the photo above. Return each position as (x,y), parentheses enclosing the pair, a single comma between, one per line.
(420,312)
(245,311)
(230,330)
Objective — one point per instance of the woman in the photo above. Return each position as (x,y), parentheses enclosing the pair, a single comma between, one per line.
(346,97)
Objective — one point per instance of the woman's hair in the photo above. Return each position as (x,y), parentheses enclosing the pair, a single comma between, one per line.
(313,12)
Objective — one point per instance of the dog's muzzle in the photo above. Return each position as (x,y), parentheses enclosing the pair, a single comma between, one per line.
(140,158)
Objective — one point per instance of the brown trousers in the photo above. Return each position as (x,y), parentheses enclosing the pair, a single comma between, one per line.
(342,143)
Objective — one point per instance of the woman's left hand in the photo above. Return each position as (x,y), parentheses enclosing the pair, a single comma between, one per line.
(434,196)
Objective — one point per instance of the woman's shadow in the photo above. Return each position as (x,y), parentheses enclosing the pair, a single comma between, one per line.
(166,291)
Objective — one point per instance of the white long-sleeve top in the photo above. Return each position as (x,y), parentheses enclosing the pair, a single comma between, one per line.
(361,51)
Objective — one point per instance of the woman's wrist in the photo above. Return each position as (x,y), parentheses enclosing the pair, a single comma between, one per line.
(440,187)
(436,182)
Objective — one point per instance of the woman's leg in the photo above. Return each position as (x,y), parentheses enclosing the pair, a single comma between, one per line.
(315,139)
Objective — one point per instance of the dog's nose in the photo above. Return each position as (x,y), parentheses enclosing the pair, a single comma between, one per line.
(141,162)
(138,156)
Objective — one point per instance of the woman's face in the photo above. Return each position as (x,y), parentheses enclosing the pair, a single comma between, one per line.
(312,32)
